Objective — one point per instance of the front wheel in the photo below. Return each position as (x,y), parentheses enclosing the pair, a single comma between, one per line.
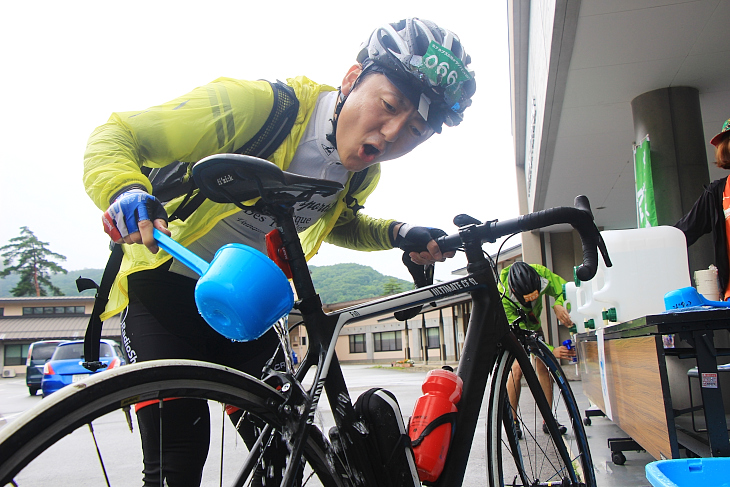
(77,432)
(525,445)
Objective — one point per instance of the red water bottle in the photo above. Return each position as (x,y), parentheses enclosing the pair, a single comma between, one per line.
(442,391)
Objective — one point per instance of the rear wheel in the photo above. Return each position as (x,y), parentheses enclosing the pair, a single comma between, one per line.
(537,458)
(76,432)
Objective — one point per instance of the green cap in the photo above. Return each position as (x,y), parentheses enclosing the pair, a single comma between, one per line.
(609,314)
(718,138)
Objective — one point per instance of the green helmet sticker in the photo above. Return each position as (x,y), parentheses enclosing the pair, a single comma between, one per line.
(443,68)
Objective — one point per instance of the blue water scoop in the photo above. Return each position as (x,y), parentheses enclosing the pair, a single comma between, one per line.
(688,297)
(241,293)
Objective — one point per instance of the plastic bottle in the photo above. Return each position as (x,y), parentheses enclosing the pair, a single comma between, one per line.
(569,345)
(570,291)
(647,263)
(582,296)
(442,391)
(589,308)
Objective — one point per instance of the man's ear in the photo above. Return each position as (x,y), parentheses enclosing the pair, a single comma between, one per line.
(349,81)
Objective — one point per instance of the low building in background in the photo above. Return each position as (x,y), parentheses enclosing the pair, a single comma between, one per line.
(434,335)
(27,320)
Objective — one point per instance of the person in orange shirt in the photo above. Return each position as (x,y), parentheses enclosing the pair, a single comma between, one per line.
(711,212)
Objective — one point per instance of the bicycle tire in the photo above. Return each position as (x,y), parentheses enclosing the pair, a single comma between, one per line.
(535,458)
(76,405)
(568,409)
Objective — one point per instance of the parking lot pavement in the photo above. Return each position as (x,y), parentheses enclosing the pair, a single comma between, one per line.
(14,398)
(608,474)
(404,383)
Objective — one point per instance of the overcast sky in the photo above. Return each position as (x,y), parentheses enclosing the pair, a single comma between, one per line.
(66,66)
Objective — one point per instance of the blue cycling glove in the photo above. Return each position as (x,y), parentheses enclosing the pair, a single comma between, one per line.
(415,239)
(122,217)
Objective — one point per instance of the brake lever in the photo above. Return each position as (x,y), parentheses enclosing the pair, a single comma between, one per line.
(422,277)
(604,251)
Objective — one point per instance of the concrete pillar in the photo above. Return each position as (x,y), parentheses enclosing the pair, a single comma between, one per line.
(370,346)
(424,339)
(406,341)
(442,336)
(673,120)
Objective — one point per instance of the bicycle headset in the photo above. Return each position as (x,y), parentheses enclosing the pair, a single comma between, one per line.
(426,63)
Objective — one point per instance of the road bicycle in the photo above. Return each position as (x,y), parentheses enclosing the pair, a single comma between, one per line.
(284,403)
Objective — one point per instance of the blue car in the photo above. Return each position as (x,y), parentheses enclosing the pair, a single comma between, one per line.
(66,365)
(38,354)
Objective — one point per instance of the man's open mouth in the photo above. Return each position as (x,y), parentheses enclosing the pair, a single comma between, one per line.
(368,153)
(371,150)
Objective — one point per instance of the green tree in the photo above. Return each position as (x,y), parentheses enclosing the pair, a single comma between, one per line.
(29,258)
(392,286)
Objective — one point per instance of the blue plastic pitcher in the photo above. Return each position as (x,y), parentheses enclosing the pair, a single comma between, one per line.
(241,293)
(688,297)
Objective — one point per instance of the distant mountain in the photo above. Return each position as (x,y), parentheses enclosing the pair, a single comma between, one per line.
(65,282)
(335,283)
(348,282)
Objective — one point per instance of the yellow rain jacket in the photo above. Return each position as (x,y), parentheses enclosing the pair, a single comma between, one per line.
(216,118)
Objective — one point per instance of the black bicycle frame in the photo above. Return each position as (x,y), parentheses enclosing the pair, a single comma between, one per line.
(488,328)
(231,178)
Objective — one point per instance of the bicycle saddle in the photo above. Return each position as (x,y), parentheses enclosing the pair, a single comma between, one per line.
(233,178)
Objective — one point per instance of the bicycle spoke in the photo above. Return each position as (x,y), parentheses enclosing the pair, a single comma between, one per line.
(223,415)
(306,481)
(536,458)
(546,451)
(98,454)
(540,453)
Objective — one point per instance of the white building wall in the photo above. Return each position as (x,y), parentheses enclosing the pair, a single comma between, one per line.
(542,17)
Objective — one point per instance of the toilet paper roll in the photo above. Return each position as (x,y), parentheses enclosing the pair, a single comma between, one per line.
(707,284)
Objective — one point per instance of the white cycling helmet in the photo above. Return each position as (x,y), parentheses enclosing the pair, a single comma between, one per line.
(425,62)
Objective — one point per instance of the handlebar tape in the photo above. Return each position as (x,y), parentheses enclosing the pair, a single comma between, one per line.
(580,217)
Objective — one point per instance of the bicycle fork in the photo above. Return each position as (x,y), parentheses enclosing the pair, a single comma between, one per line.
(477,360)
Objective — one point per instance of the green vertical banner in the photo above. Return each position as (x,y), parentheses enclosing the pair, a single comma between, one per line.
(645,205)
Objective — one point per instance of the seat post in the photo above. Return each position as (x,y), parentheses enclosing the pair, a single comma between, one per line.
(297,261)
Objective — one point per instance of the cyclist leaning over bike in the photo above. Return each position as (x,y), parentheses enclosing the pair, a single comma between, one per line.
(392,100)
(526,284)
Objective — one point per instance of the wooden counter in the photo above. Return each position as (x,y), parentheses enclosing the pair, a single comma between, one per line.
(633,386)
(637,389)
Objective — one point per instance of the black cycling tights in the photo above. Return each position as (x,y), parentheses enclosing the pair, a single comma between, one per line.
(185,435)
(162,322)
